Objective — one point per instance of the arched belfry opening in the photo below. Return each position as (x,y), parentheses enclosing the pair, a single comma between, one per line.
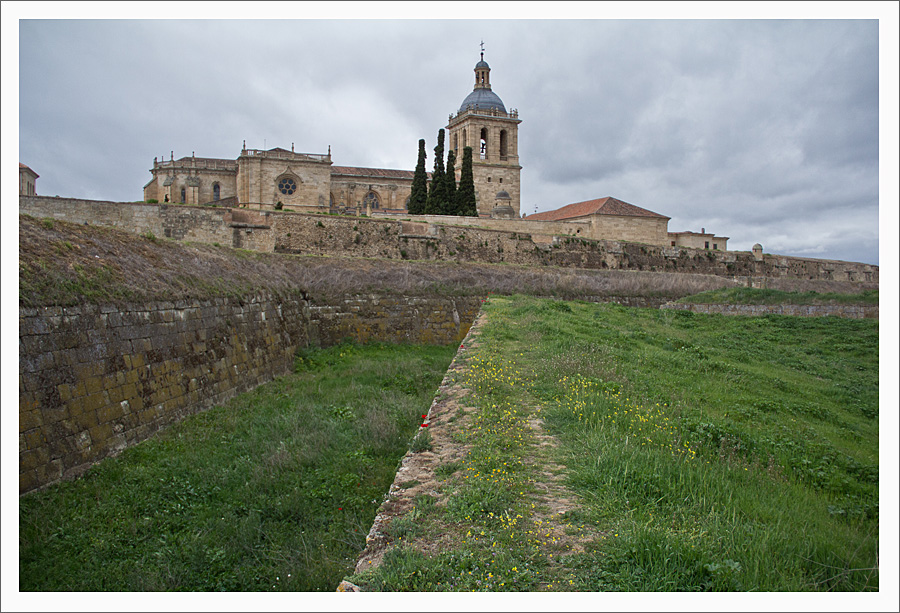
(483,143)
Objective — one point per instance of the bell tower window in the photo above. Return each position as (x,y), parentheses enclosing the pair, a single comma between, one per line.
(503,145)
(182,195)
(216,192)
(484,143)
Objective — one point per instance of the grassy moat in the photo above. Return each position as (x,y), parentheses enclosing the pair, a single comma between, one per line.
(695,452)
(274,491)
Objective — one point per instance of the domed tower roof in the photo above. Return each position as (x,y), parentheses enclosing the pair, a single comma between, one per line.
(482,98)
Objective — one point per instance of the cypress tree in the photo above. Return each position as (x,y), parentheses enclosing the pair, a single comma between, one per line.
(465,195)
(436,202)
(450,187)
(419,193)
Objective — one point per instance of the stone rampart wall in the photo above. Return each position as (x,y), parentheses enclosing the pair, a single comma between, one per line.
(95,379)
(312,234)
(800,310)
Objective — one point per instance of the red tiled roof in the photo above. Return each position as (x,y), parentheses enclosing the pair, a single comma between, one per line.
(600,206)
(21,166)
(372,172)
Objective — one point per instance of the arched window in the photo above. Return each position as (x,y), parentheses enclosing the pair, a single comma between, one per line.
(503,145)
(456,142)
(484,143)
(216,192)
(465,140)
(371,199)
(182,195)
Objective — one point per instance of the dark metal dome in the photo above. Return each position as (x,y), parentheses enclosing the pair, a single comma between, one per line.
(483,99)
(482,64)
(503,195)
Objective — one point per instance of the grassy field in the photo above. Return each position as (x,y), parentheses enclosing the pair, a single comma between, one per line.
(703,453)
(275,491)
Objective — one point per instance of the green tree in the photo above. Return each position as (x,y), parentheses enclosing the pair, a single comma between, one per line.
(450,187)
(465,194)
(437,192)
(419,193)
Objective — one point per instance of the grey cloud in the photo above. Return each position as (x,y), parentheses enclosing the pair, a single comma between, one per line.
(742,127)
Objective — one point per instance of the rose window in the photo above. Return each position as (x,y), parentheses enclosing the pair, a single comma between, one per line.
(287,186)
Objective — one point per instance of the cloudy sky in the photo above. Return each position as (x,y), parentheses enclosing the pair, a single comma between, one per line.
(760,130)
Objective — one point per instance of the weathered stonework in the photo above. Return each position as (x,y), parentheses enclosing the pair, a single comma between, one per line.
(313,234)
(95,379)
(797,310)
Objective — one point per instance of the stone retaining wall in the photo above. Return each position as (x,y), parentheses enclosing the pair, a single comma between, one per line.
(96,379)
(416,239)
(800,310)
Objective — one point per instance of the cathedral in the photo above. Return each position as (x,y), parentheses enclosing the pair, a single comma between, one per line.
(278,178)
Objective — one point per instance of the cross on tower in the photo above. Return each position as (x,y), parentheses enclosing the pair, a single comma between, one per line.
(482,50)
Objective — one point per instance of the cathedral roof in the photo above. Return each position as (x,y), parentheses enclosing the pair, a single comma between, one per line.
(482,99)
(386,173)
(600,206)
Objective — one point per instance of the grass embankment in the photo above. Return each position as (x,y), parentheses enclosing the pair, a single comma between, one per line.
(275,491)
(705,452)
(66,264)
(748,295)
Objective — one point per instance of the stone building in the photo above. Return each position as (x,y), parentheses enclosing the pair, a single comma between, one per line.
(612,219)
(27,180)
(698,240)
(263,179)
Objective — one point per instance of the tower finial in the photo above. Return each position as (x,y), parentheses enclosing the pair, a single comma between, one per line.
(482,50)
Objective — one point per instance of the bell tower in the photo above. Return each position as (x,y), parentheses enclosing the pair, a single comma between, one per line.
(483,123)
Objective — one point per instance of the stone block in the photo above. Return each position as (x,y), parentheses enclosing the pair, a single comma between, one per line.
(32,458)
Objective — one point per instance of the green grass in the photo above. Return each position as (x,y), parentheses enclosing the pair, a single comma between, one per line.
(274,491)
(749,295)
(708,453)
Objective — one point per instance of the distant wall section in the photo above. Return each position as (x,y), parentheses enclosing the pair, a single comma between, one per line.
(507,241)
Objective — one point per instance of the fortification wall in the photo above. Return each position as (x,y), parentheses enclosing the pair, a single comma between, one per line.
(798,310)
(312,234)
(95,379)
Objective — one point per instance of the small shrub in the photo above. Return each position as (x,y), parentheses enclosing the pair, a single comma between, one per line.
(279,205)
(320,224)
(153,201)
(421,442)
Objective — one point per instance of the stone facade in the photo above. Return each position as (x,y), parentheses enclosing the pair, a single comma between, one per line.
(95,379)
(27,180)
(698,240)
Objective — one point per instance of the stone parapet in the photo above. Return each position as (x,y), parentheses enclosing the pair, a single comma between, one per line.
(420,238)
(797,310)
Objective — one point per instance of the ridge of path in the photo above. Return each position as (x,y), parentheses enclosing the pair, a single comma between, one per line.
(447,421)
